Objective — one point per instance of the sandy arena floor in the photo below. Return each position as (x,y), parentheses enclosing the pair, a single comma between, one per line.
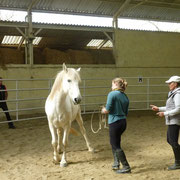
(26,152)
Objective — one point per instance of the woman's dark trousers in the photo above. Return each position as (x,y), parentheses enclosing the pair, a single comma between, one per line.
(172,139)
(4,107)
(116,129)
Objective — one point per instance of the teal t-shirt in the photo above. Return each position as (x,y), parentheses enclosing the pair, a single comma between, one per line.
(117,105)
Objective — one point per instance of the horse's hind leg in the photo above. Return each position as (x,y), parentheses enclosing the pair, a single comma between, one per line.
(56,157)
(83,131)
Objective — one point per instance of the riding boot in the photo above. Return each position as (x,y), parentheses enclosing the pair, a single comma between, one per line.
(115,165)
(11,125)
(176,165)
(122,157)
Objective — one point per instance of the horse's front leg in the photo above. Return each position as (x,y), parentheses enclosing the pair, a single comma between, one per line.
(59,147)
(56,157)
(83,131)
(63,162)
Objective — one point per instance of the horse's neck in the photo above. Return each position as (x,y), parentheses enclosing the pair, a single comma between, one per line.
(56,91)
(60,96)
(57,95)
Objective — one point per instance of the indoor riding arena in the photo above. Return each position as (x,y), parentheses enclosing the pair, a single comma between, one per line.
(139,42)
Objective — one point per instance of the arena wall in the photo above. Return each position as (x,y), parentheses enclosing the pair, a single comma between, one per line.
(147,49)
(139,54)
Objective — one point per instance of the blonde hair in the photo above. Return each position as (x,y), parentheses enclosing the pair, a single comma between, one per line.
(122,83)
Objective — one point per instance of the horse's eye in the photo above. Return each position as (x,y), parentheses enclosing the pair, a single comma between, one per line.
(69,80)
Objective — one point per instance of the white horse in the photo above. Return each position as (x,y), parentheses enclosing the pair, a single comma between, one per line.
(62,107)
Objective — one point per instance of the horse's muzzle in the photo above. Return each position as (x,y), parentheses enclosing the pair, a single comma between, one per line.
(77,100)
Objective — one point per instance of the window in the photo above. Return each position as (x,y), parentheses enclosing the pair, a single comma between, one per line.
(15,40)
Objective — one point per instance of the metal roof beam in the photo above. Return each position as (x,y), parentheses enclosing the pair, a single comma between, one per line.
(21,42)
(31,5)
(21,32)
(37,32)
(120,10)
(23,37)
(69,27)
(54,26)
(13,24)
(109,38)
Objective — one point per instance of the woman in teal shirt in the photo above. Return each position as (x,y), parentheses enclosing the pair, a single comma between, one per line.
(117,110)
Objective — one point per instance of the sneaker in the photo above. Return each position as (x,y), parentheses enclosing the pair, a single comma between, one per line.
(124,170)
(174,167)
(12,127)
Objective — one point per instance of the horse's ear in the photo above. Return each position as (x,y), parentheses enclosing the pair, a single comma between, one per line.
(78,70)
(64,67)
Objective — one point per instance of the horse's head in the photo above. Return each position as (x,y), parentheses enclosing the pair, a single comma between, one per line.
(70,83)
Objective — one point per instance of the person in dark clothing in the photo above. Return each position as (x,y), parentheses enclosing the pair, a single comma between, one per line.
(117,110)
(171,112)
(3,105)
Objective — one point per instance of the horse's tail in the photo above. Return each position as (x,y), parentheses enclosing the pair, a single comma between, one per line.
(74,132)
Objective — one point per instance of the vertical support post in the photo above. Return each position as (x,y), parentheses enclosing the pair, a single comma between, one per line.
(29,39)
(122,8)
(84,94)
(148,90)
(26,47)
(49,85)
(17,102)
(115,22)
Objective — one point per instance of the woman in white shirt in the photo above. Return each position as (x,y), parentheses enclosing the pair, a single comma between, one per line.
(172,115)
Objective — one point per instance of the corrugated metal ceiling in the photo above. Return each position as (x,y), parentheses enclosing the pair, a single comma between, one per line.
(78,37)
(140,9)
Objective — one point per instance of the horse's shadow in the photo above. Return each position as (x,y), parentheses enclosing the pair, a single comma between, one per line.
(96,158)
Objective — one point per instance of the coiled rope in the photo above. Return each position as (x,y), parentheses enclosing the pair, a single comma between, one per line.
(102,120)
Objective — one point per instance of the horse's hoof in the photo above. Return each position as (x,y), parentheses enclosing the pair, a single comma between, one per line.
(63,164)
(56,159)
(55,162)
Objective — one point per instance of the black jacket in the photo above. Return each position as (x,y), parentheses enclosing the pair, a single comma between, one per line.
(2,93)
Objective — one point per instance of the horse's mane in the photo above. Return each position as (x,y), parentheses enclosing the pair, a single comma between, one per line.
(58,80)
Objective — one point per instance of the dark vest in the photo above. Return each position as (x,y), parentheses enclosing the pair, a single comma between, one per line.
(2,93)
